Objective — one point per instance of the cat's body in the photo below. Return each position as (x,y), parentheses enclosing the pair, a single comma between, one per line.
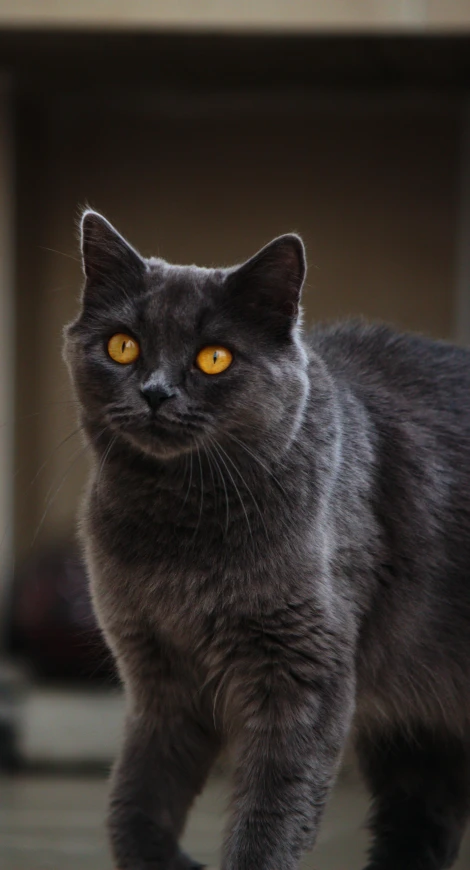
(414,647)
(291,548)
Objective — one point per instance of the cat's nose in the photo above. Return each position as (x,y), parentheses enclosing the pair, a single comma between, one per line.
(155,394)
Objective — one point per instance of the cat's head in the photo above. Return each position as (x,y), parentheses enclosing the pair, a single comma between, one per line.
(175,357)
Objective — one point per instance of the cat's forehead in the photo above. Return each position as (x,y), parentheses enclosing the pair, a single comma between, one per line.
(180,291)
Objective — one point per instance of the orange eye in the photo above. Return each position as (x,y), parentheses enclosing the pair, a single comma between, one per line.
(123,349)
(213,359)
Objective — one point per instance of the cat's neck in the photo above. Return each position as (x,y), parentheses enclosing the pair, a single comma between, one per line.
(226,478)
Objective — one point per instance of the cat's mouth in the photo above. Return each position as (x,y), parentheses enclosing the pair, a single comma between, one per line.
(159,434)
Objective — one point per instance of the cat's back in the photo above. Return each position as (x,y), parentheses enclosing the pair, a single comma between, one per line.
(394,372)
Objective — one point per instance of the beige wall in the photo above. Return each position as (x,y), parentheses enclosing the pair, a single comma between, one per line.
(295,15)
(372,190)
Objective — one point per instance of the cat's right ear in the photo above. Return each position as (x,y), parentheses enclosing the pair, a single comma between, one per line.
(108,260)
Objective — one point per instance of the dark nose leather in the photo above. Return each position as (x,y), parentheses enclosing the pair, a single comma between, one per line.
(155,395)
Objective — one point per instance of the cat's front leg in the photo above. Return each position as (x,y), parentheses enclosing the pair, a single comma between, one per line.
(168,749)
(288,739)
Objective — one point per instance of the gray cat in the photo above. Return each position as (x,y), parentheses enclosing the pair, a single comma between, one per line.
(277,531)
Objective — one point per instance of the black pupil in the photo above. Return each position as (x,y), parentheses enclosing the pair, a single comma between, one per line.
(215,357)
(123,346)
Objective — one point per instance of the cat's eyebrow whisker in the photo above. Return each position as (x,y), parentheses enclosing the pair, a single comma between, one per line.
(61,253)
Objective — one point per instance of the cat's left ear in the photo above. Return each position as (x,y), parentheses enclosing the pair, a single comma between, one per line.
(106,256)
(270,283)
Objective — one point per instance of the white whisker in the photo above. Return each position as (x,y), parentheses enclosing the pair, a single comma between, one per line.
(216,447)
(189,484)
(50,501)
(227,506)
(246,487)
(103,461)
(51,455)
(257,459)
(202,491)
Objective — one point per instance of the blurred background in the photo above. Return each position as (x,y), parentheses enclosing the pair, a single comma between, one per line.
(202,130)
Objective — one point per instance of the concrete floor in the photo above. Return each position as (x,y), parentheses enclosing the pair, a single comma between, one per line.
(57,822)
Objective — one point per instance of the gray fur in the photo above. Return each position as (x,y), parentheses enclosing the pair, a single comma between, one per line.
(278,548)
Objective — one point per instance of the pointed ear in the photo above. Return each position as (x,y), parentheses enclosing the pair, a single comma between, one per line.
(270,283)
(106,256)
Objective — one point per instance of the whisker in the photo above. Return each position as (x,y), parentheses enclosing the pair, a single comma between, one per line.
(227,507)
(202,491)
(246,486)
(189,484)
(51,500)
(61,253)
(216,447)
(257,459)
(211,470)
(103,461)
(64,402)
(224,678)
(51,455)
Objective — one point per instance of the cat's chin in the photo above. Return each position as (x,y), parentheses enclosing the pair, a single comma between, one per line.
(162,448)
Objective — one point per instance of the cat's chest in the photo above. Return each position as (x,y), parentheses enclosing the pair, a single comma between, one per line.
(193,606)
(205,532)
(179,573)
(179,566)
(192,591)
